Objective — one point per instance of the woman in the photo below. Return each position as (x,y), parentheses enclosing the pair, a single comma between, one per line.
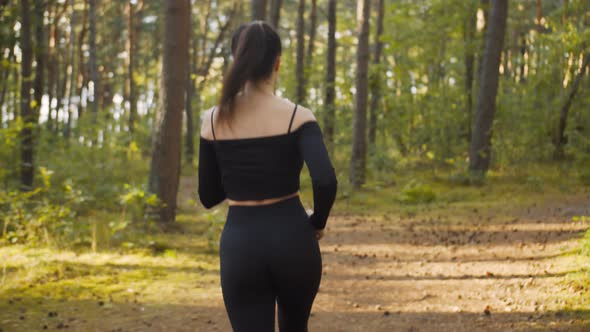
(252,149)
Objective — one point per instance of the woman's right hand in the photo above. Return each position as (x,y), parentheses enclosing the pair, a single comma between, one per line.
(319,234)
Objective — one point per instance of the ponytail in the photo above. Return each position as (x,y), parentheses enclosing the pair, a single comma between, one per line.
(255,49)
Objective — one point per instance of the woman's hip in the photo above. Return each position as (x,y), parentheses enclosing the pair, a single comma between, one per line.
(271,228)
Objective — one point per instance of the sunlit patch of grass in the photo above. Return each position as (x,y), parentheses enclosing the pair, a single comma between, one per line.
(37,282)
(578,284)
(63,274)
(118,258)
(505,188)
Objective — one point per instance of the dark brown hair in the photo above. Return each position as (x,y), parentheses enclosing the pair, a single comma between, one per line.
(255,47)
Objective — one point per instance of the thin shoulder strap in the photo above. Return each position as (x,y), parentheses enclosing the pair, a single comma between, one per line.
(292,117)
(212,126)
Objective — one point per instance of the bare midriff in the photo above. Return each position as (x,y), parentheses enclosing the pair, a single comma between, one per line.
(262,201)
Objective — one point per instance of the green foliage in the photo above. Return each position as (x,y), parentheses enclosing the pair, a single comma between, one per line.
(36,216)
(73,180)
(8,156)
(133,227)
(136,202)
(382,163)
(103,174)
(416,192)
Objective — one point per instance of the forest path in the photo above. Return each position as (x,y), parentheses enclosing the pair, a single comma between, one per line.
(451,269)
(491,271)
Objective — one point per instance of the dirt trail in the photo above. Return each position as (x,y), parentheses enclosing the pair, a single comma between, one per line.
(479,273)
(424,275)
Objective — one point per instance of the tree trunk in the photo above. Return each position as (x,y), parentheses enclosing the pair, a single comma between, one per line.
(359,126)
(92,63)
(40,65)
(72,73)
(68,62)
(479,153)
(62,83)
(523,57)
(26,134)
(539,13)
(377,77)
(469,39)
(559,139)
(53,68)
(165,164)
(300,64)
(485,7)
(6,74)
(131,47)
(190,87)
(82,66)
(275,13)
(540,28)
(16,88)
(312,30)
(330,110)
(67,69)
(190,128)
(259,10)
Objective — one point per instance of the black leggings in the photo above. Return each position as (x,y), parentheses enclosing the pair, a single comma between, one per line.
(269,254)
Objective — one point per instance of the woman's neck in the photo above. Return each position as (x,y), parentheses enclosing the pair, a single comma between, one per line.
(263,87)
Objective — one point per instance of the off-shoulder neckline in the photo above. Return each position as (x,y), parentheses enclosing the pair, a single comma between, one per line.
(247,139)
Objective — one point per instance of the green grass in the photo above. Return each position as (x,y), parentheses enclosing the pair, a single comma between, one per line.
(173,258)
(440,189)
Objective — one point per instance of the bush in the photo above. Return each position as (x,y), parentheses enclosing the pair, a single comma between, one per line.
(35,216)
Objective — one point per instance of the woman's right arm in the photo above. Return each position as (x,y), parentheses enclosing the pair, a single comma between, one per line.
(323,176)
(210,190)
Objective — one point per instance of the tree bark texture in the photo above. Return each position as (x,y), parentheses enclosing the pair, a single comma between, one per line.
(359,126)
(166,150)
(480,149)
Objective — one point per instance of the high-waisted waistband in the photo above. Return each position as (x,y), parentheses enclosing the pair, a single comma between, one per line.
(290,206)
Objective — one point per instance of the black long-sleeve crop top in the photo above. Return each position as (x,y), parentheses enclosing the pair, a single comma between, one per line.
(267,167)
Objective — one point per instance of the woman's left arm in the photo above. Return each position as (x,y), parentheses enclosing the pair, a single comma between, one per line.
(210,190)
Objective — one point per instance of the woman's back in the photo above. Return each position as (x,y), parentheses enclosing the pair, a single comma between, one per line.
(256,115)
(260,156)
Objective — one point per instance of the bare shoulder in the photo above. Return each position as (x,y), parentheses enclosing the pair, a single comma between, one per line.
(206,123)
(302,116)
